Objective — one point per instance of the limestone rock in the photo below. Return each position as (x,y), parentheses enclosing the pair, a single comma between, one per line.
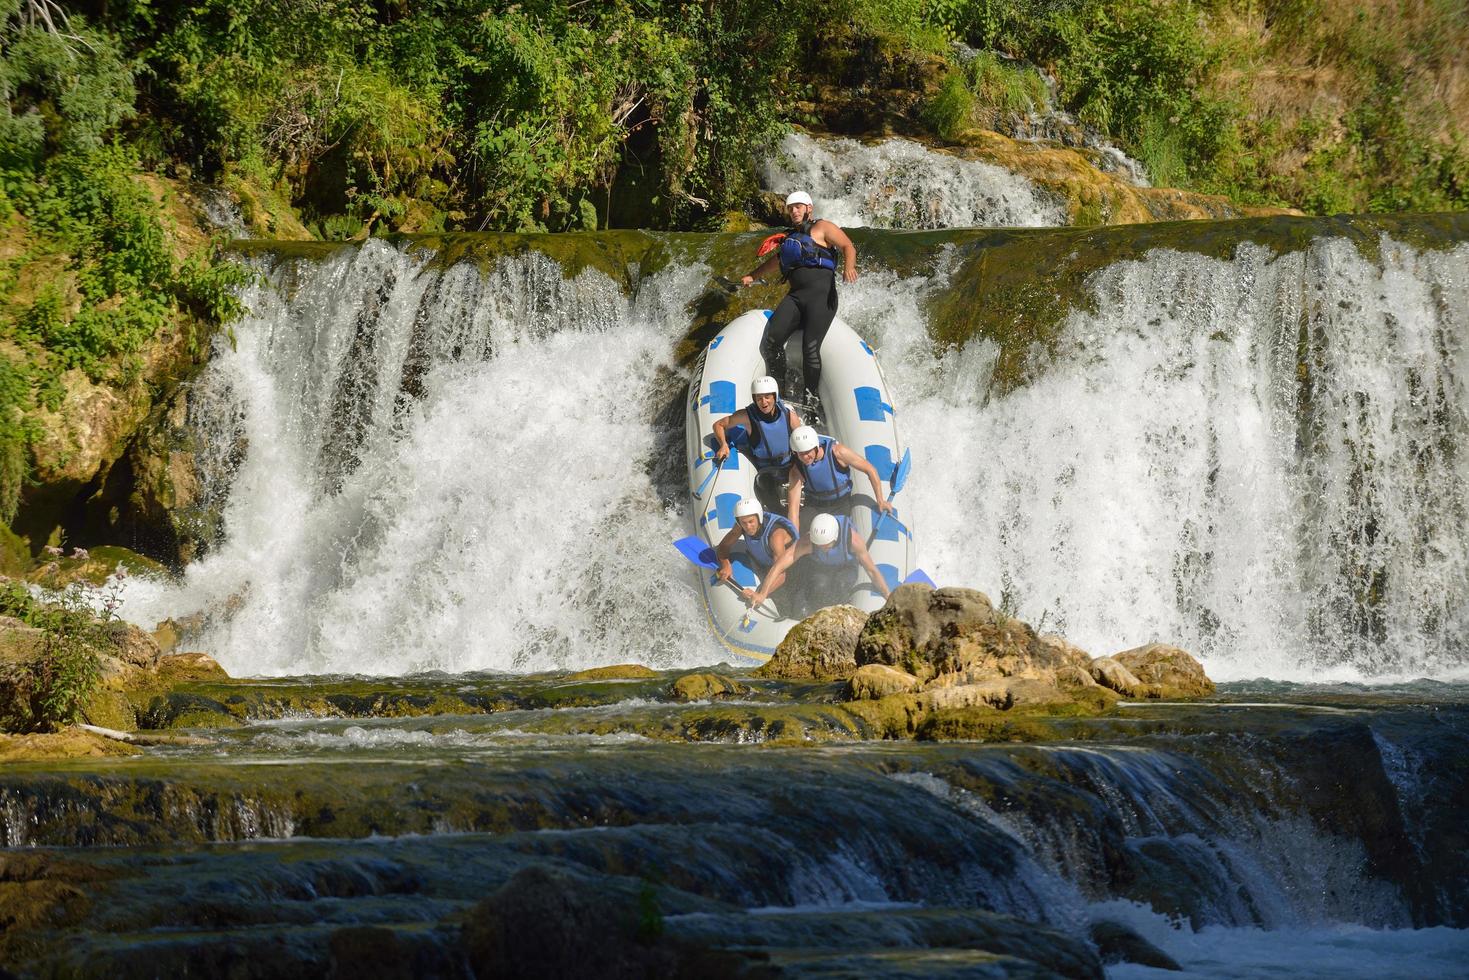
(819,647)
(705,687)
(901,632)
(178,668)
(130,644)
(874,681)
(1174,673)
(70,743)
(19,642)
(1107,672)
(613,672)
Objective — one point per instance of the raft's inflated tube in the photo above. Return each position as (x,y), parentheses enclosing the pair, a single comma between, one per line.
(859,413)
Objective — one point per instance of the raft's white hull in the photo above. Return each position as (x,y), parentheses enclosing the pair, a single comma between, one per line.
(859,413)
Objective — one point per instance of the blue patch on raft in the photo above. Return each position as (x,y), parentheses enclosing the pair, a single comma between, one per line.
(870,406)
(721,397)
(881,458)
(889,575)
(768,313)
(716,341)
(889,529)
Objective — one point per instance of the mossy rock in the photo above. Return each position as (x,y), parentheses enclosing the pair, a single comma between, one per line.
(819,647)
(706,687)
(111,708)
(872,682)
(614,672)
(69,743)
(1168,671)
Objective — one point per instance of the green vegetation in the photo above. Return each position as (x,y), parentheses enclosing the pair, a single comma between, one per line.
(46,686)
(1324,105)
(338,119)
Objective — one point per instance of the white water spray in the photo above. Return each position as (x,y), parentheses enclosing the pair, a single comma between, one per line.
(1257,459)
(899,184)
(440,471)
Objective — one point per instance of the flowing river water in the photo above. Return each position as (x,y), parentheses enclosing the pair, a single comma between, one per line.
(450,473)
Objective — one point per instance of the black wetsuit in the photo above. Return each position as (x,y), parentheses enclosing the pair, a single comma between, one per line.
(809,307)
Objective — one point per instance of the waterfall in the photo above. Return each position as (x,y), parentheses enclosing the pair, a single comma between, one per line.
(899,184)
(1255,458)
(1258,459)
(425,469)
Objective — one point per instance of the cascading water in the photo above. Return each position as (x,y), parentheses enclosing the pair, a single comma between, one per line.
(439,470)
(1256,459)
(898,184)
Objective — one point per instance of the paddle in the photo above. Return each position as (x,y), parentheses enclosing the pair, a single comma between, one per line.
(712,470)
(726,284)
(695,550)
(900,480)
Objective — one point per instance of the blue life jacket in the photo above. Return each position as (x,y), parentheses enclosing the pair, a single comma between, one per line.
(840,553)
(770,442)
(825,479)
(798,250)
(758,547)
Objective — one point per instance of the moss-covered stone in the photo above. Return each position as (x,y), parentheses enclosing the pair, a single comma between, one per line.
(705,687)
(819,647)
(1168,671)
(613,672)
(70,743)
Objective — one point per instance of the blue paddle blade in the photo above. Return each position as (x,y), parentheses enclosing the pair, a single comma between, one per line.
(919,577)
(900,472)
(695,550)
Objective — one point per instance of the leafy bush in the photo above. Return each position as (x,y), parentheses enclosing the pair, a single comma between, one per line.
(50,689)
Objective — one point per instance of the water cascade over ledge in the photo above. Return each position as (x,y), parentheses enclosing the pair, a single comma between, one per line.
(1253,456)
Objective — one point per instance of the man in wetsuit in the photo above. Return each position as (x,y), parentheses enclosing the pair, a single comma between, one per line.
(807,258)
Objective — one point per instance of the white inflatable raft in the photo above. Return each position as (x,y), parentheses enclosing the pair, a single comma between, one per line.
(859,413)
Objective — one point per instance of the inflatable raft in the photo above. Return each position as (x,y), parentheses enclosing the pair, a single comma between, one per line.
(858,412)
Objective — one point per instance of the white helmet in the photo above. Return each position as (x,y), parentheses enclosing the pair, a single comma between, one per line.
(749,507)
(764,385)
(823,530)
(803,439)
(799,197)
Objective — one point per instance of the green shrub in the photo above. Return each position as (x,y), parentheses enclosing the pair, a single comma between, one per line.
(49,690)
(951,111)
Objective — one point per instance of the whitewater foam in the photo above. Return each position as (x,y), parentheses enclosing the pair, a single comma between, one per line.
(897,183)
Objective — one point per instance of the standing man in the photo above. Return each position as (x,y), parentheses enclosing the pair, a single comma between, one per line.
(807,258)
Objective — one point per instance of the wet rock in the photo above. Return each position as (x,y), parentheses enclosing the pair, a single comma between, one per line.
(129,644)
(705,687)
(874,681)
(70,743)
(1119,943)
(820,647)
(544,923)
(1174,673)
(1107,672)
(902,632)
(613,672)
(19,642)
